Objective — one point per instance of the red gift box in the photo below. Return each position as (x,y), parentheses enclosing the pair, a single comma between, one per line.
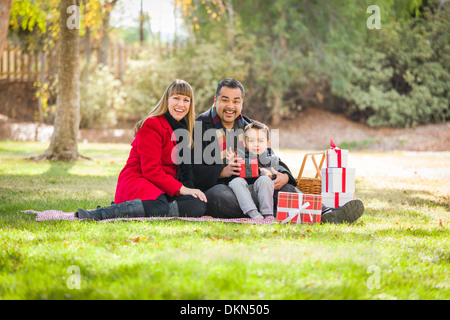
(249,168)
(293,205)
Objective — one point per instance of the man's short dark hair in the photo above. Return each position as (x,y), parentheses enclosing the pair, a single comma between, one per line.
(230,83)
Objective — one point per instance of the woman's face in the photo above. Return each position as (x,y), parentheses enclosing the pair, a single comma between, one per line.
(179,106)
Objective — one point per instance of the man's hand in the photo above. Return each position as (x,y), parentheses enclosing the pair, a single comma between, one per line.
(280,180)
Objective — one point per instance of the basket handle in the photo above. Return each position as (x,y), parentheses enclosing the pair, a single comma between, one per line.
(318,167)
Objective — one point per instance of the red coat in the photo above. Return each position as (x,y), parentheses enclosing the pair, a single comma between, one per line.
(149,171)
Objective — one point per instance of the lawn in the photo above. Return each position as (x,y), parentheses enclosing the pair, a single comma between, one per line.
(399,249)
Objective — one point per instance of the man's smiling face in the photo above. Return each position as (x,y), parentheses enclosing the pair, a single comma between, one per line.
(229,105)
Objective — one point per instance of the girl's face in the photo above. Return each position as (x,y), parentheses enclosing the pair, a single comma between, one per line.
(178,106)
(256,141)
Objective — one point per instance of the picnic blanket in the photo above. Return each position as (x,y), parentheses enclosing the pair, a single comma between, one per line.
(70,216)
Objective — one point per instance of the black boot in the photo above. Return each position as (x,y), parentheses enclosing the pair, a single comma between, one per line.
(349,212)
(173,209)
(127,209)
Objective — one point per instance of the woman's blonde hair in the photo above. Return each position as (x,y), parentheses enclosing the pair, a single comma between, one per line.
(176,87)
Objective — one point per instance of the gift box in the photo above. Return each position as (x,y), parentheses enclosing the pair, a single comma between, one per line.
(336,158)
(338,180)
(336,199)
(249,168)
(300,208)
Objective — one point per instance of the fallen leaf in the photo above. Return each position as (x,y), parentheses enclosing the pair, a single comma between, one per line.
(309,231)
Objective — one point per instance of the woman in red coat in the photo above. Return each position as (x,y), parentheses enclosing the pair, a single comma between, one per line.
(151,183)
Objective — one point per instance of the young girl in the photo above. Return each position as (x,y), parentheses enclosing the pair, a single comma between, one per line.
(151,184)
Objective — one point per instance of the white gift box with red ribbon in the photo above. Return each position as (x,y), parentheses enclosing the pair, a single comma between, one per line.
(336,158)
(338,180)
(336,199)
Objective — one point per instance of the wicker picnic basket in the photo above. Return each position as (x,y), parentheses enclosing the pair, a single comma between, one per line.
(311,185)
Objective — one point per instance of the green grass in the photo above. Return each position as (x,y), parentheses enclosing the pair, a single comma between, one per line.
(397,250)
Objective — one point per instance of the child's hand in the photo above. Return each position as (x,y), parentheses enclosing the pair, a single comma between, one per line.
(233,167)
(266,172)
(232,156)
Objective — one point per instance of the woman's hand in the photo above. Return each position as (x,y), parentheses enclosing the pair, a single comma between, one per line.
(196,193)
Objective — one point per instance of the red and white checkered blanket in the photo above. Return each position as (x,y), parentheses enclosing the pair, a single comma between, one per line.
(70,216)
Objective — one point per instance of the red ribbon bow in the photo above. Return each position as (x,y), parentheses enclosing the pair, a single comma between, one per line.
(339,153)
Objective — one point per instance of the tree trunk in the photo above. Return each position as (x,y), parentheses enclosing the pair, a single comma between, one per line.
(175,33)
(276,117)
(87,55)
(230,28)
(64,145)
(5,10)
(141,25)
(104,41)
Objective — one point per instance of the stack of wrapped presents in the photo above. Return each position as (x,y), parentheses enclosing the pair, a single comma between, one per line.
(338,181)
